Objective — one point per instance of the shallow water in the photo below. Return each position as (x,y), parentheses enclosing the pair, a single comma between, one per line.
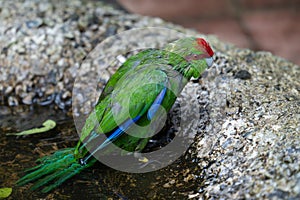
(98,182)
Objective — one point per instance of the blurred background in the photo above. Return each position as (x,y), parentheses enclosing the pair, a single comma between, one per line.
(271,25)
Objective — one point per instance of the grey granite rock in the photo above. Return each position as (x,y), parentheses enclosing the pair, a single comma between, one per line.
(249,146)
(248,133)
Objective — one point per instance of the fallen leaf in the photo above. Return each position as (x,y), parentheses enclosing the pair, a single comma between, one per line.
(47,125)
(5,192)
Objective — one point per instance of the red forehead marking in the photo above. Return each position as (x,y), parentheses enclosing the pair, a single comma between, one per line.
(205,45)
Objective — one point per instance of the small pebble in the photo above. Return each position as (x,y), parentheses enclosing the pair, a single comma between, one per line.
(34,23)
(8,90)
(12,101)
(28,99)
(243,74)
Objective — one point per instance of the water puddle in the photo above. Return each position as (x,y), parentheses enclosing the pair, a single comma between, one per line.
(99,182)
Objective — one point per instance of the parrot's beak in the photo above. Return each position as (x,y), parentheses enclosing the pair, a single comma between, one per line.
(209,61)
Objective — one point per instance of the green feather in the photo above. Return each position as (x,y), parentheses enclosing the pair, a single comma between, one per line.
(53,170)
(129,93)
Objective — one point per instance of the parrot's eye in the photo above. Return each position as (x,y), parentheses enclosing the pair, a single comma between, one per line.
(209,61)
(196,57)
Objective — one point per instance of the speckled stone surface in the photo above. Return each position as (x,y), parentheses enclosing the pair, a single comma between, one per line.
(248,132)
(250,146)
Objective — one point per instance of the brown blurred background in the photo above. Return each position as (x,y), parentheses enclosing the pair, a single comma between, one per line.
(271,25)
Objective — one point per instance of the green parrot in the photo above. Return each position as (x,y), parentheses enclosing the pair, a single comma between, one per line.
(129,109)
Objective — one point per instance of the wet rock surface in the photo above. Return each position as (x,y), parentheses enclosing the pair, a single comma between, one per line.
(247,143)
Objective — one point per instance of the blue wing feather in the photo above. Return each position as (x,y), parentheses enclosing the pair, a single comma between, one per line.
(123,127)
(157,102)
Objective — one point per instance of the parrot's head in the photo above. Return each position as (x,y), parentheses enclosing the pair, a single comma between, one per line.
(194,50)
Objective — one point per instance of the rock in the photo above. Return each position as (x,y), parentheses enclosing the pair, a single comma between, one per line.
(69,35)
(111,30)
(12,101)
(8,90)
(243,74)
(248,130)
(34,23)
(28,99)
(253,144)
(66,94)
(39,39)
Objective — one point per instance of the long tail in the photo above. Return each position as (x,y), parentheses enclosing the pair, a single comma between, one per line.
(54,169)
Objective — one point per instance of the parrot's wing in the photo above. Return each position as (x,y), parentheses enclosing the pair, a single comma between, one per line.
(127,124)
(104,101)
(130,64)
(138,93)
(133,96)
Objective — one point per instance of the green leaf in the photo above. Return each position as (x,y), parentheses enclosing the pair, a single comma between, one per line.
(47,125)
(5,192)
